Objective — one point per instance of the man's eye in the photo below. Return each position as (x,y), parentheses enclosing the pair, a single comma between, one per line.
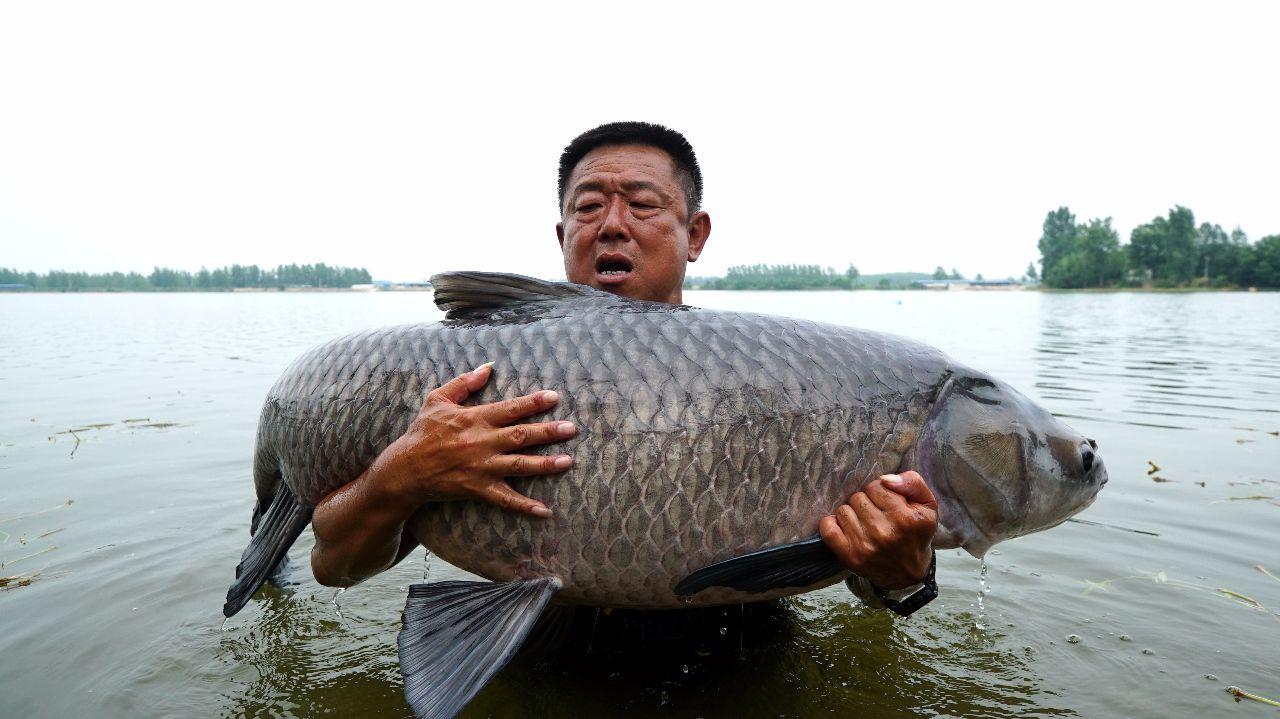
(589,207)
(643,206)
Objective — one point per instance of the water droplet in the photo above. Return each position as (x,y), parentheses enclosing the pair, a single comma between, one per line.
(686,600)
(225,622)
(724,631)
(1211,677)
(1125,638)
(980,623)
(1073,638)
(1147,651)
(684,668)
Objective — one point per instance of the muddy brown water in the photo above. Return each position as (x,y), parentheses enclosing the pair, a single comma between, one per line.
(125,441)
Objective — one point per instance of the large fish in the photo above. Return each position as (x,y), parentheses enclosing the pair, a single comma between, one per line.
(709,446)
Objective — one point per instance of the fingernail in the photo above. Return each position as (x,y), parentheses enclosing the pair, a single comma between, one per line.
(481,367)
(891,479)
(550,396)
(564,461)
(566,429)
(540,511)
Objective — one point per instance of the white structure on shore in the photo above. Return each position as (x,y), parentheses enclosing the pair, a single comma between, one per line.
(954,285)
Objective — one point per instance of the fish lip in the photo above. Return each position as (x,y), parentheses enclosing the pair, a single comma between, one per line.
(613,261)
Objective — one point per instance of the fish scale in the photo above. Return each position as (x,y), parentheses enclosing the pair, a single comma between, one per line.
(701,434)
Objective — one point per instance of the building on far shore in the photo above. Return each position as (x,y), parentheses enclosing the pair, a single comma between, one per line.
(954,285)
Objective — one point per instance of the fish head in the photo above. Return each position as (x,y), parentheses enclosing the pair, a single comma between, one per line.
(1000,465)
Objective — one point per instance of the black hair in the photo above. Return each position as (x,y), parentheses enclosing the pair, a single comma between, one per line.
(638,133)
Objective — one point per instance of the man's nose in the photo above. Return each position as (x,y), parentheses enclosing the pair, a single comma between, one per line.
(614,226)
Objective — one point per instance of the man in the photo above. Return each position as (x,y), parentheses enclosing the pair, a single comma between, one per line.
(630,196)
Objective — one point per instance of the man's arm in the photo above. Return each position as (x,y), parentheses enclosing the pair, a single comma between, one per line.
(449,452)
(884,533)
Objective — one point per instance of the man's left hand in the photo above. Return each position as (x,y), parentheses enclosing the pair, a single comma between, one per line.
(885,532)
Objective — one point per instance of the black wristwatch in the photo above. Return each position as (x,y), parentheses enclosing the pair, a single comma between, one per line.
(924,593)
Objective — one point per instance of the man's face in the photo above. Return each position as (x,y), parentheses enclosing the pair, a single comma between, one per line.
(625,226)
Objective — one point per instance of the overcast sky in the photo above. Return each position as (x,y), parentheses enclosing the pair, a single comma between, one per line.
(416,138)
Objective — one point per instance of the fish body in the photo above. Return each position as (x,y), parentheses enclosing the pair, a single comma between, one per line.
(709,446)
(703,434)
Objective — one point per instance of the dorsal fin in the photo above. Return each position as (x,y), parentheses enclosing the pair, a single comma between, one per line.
(468,294)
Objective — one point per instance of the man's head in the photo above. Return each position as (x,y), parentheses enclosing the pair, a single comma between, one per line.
(630,194)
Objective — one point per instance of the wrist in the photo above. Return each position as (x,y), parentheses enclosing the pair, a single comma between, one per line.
(904,602)
(390,486)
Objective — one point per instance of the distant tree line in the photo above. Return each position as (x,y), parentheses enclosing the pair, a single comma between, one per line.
(1168,251)
(165,279)
(781,277)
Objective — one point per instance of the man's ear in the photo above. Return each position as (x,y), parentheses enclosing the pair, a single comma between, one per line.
(560,234)
(699,231)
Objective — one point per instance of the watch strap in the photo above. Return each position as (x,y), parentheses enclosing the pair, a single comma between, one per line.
(922,596)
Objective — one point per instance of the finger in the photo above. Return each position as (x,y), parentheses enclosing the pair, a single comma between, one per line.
(456,390)
(528,435)
(501,414)
(849,523)
(525,465)
(885,499)
(501,494)
(912,486)
(868,514)
(873,523)
(834,537)
(899,513)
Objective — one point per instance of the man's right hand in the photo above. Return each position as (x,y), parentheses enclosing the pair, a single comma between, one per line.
(449,452)
(456,452)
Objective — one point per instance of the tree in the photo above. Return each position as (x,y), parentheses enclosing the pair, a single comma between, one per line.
(852,274)
(1031,272)
(978,277)
(781,277)
(955,275)
(1165,248)
(1222,258)
(1099,243)
(1264,270)
(1087,256)
(1057,238)
(939,273)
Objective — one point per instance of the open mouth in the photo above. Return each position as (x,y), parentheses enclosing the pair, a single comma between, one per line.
(612,269)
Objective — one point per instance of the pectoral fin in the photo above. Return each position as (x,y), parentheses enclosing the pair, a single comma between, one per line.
(790,565)
(275,530)
(457,635)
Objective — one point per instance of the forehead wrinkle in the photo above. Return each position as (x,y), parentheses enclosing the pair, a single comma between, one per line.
(595,184)
(660,165)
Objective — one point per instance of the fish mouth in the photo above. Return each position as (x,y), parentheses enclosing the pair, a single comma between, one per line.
(613,268)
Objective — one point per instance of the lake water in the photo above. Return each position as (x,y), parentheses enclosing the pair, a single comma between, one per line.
(129,528)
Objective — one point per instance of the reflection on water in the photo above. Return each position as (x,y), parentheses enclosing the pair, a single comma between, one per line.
(121,616)
(1185,367)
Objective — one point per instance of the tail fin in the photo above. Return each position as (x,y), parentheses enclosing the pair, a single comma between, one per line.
(274,532)
(457,635)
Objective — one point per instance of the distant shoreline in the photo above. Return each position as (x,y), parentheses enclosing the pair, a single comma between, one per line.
(210,291)
(330,290)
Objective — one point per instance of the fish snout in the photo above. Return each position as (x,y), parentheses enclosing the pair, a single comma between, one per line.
(1091,463)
